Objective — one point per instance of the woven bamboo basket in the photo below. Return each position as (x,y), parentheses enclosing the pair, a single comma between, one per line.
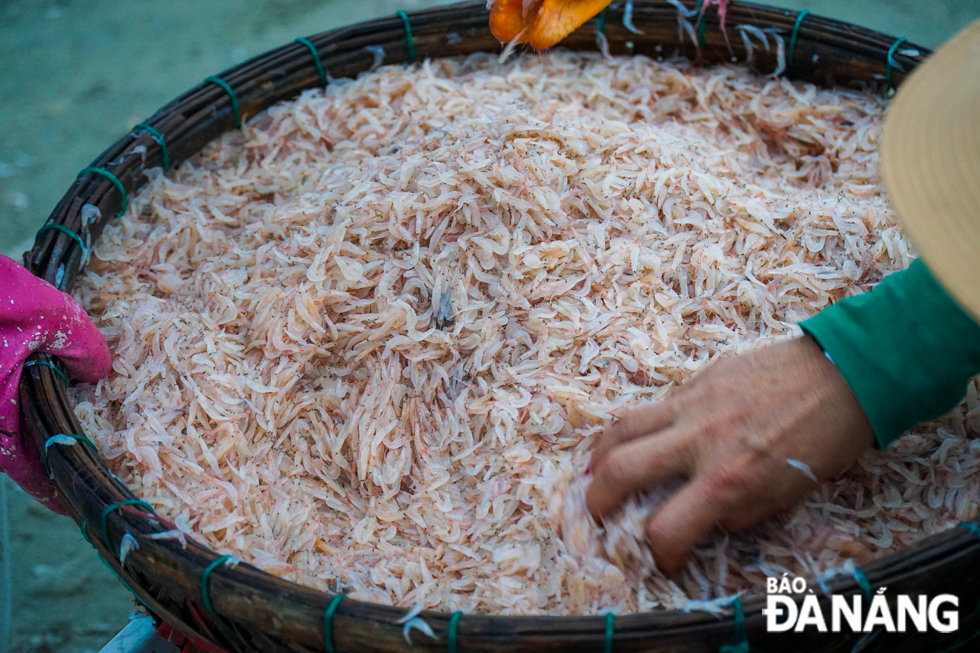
(242,608)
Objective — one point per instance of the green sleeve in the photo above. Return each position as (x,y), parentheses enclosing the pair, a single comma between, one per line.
(906,349)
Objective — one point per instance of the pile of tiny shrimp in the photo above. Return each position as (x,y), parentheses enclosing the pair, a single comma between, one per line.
(367,342)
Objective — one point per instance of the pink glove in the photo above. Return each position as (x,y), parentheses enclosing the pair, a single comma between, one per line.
(36,316)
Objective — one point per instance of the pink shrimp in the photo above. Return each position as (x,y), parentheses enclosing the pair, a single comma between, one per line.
(722,9)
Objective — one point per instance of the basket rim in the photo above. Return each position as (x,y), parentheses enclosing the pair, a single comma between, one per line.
(246,599)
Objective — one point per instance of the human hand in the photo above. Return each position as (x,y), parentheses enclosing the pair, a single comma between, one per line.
(731,431)
(37,317)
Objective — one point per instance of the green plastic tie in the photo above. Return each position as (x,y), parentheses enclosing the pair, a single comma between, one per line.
(57,370)
(610,632)
(71,234)
(970,526)
(206,574)
(75,436)
(453,635)
(328,622)
(116,506)
(316,59)
(701,22)
(125,584)
(159,138)
(891,61)
(115,181)
(85,532)
(740,644)
(600,22)
(796,32)
(214,79)
(864,583)
(409,39)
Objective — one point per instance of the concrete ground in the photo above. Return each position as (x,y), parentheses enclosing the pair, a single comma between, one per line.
(78,74)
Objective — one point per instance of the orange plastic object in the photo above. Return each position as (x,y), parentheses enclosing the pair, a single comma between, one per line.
(545,23)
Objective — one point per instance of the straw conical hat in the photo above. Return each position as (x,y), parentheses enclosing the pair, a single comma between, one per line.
(930,158)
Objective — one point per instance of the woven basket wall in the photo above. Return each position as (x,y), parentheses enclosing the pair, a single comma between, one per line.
(255,611)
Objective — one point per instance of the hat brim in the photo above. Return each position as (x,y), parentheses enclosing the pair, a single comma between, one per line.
(930,159)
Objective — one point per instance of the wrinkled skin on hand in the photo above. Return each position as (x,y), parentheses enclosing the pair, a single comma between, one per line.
(37,317)
(730,431)
(543,23)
